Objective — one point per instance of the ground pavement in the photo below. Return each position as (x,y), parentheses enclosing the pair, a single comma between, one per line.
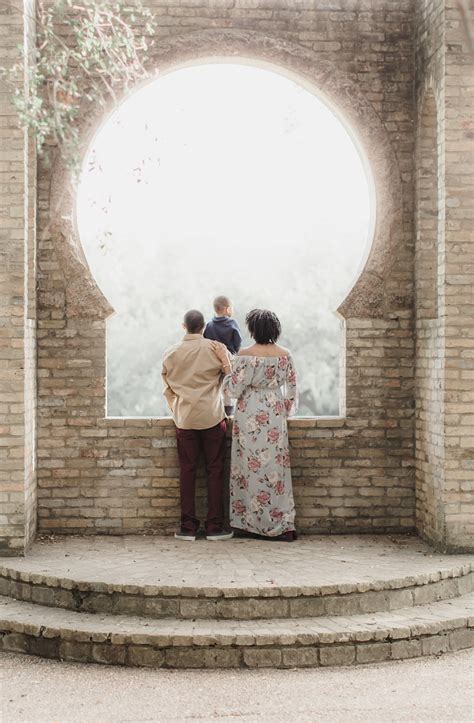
(432,689)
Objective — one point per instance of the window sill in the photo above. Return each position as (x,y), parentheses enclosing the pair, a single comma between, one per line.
(296,422)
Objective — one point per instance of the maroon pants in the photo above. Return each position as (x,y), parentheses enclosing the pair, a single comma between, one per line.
(212,443)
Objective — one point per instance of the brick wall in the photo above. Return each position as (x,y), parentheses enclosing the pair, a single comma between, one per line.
(354,474)
(459,282)
(429,265)
(17,298)
(351,474)
(444,348)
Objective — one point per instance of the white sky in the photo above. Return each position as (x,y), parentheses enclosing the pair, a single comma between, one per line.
(236,165)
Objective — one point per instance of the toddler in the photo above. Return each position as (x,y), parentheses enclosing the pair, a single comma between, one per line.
(225,329)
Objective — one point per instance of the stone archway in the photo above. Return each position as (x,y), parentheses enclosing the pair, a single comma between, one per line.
(367,297)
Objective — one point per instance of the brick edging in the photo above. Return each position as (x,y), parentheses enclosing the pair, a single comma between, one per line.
(54,645)
(238,603)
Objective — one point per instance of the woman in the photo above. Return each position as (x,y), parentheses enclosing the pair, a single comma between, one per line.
(263,381)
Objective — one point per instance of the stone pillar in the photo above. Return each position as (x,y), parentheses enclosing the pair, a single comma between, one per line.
(17,295)
(444,274)
(458,290)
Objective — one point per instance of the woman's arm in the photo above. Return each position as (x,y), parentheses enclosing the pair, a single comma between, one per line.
(238,373)
(291,389)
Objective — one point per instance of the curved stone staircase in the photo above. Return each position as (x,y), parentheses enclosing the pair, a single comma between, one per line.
(105,618)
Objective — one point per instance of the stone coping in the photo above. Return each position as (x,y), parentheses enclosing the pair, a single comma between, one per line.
(170,591)
(293,422)
(426,630)
(49,622)
(231,608)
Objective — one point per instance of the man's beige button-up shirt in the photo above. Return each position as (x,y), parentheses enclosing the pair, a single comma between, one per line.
(192,376)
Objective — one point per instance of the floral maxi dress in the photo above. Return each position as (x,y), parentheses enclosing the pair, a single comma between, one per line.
(261,494)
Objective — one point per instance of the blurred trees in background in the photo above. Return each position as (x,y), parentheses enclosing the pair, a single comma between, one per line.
(150,316)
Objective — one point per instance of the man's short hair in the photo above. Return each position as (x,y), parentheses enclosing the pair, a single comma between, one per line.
(193,321)
(221,303)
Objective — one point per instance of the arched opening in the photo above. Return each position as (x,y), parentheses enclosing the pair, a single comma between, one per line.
(223,178)
(426,253)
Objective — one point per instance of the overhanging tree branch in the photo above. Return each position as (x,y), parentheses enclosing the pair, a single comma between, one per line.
(84,48)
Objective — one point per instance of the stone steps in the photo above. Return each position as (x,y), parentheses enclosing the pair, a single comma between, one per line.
(156,602)
(185,602)
(281,643)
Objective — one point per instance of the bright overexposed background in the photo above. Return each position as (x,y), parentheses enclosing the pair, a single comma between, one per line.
(223,179)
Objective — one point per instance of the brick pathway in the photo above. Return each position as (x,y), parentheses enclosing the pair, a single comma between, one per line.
(311,561)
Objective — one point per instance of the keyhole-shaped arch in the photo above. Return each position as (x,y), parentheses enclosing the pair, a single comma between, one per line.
(230,177)
(370,295)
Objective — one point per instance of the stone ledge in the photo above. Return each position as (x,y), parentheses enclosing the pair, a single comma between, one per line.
(236,603)
(36,578)
(324,422)
(426,630)
(159,577)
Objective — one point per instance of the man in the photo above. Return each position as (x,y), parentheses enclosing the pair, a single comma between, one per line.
(192,377)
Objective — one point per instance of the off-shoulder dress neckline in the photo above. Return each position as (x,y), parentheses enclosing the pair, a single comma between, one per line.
(255,356)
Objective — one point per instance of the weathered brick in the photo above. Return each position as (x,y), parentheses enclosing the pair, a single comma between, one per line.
(108,653)
(300,657)
(262,657)
(406,649)
(196,658)
(373,653)
(77,651)
(144,656)
(459,639)
(337,655)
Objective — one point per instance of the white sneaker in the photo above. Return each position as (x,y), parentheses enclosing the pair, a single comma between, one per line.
(222,535)
(185,535)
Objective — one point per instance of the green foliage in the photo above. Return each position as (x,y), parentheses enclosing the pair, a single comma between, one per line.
(85,49)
